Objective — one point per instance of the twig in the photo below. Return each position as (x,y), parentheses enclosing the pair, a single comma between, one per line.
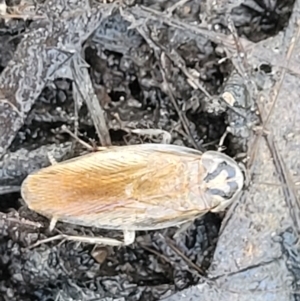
(186,259)
(84,89)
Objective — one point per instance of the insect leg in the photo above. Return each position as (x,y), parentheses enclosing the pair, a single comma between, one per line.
(85,239)
(53,223)
(221,142)
(51,159)
(182,229)
(129,237)
(159,134)
(166,136)
(83,143)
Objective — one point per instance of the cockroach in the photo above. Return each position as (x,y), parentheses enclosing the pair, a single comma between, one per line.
(134,188)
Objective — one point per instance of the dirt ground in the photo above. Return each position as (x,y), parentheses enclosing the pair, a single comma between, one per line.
(152,65)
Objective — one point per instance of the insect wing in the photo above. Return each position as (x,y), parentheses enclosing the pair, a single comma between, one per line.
(131,186)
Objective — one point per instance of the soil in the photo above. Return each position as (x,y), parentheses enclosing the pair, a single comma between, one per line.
(125,67)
